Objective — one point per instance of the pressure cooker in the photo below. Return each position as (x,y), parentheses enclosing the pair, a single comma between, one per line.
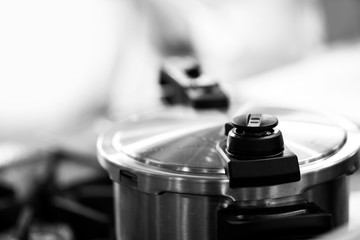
(265,172)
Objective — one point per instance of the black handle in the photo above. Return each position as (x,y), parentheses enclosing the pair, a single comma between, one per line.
(184,84)
(291,222)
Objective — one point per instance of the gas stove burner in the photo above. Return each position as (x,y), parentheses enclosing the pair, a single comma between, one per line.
(70,199)
(55,231)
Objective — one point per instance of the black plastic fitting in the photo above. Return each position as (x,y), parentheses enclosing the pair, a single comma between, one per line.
(257,154)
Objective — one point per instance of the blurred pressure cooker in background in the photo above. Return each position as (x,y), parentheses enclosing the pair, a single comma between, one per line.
(268,173)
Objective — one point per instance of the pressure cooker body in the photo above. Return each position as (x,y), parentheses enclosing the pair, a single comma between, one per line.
(278,175)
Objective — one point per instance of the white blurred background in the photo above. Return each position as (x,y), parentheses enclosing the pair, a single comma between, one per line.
(66,62)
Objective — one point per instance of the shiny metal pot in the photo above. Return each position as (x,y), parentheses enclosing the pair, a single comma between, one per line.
(188,176)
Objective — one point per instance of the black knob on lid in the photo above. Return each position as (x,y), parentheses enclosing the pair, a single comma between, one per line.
(257,154)
(254,122)
(253,136)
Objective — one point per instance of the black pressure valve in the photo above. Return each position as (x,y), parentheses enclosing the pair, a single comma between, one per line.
(257,152)
(253,136)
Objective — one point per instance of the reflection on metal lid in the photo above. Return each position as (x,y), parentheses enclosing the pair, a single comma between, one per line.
(188,145)
(186,149)
(311,141)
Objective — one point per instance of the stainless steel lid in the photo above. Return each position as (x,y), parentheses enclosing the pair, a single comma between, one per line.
(184,146)
(172,144)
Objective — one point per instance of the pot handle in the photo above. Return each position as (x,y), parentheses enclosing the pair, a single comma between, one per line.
(290,222)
